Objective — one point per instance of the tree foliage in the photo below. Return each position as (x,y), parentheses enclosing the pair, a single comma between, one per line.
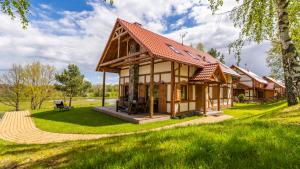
(12,87)
(216,54)
(39,79)
(200,46)
(261,20)
(11,7)
(70,82)
(274,61)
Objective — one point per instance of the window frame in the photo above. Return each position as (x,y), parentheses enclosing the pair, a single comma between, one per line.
(174,49)
(184,92)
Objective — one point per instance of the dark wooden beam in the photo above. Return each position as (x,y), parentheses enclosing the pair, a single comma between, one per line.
(103,89)
(119,35)
(151,105)
(219,93)
(119,47)
(204,93)
(173,114)
(121,59)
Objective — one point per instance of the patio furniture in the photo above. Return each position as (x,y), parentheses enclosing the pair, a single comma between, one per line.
(141,105)
(59,105)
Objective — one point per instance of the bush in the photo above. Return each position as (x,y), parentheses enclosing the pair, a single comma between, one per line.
(241,98)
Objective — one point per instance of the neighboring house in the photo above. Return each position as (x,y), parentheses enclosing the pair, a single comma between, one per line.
(170,77)
(277,89)
(255,87)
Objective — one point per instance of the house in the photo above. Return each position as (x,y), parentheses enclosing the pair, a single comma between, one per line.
(163,75)
(255,87)
(277,89)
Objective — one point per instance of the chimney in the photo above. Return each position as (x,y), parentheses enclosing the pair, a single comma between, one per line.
(137,24)
(204,58)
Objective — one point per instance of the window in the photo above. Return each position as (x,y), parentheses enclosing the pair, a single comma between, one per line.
(189,53)
(172,48)
(183,92)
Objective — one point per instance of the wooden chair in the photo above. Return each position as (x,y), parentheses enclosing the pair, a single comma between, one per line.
(120,105)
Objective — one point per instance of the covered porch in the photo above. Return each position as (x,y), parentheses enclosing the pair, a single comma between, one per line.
(140,118)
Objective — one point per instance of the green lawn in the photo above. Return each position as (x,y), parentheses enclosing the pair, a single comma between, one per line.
(48,104)
(260,136)
(86,120)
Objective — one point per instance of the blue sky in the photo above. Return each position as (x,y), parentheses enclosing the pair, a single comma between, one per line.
(75,31)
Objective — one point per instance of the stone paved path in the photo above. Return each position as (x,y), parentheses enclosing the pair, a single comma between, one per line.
(19,127)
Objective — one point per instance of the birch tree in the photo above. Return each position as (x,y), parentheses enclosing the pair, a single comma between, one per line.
(13,7)
(12,87)
(261,20)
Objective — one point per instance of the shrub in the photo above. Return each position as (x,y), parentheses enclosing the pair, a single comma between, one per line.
(241,98)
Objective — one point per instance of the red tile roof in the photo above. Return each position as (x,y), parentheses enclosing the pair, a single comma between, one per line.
(269,79)
(205,73)
(251,74)
(158,46)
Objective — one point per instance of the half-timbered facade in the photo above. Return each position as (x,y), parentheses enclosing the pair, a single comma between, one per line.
(168,76)
(255,87)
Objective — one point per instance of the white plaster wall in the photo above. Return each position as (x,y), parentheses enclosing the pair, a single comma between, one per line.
(144,69)
(156,78)
(169,107)
(141,79)
(183,79)
(184,70)
(246,80)
(192,105)
(127,80)
(121,81)
(168,92)
(166,77)
(162,67)
(183,107)
(147,78)
(176,107)
(124,72)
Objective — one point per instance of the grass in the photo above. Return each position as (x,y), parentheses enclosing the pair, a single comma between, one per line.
(48,104)
(86,120)
(260,136)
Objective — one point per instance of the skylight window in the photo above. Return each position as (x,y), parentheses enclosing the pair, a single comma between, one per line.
(174,49)
(189,53)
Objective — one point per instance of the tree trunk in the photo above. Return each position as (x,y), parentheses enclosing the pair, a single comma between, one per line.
(70,102)
(289,52)
(17,103)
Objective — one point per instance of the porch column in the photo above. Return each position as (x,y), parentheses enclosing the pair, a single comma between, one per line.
(103,89)
(151,101)
(204,90)
(172,90)
(219,93)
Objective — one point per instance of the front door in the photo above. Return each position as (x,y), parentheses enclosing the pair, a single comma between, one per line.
(198,97)
(162,98)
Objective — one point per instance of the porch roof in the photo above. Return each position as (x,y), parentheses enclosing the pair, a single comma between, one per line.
(207,73)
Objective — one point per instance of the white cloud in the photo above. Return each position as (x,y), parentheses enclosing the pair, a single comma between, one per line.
(79,37)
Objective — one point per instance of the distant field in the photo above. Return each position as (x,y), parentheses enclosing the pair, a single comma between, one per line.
(48,104)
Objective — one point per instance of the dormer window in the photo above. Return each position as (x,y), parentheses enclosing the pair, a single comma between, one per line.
(189,53)
(174,49)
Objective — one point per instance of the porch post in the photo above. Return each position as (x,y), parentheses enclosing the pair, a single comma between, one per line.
(204,90)
(103,89)
(172,90)
(151,105)
(219,107)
